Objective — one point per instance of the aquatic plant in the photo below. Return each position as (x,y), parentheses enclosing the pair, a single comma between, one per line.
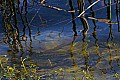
(22,70)
(17,66)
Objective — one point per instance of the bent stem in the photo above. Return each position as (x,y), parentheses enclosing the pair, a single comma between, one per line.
(22,60)
(87,8)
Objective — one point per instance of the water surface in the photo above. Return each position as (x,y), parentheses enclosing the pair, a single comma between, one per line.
(64,49)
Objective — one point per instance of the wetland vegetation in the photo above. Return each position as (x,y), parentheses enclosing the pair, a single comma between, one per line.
(59,40)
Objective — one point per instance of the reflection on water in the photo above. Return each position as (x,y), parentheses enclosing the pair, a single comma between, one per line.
(45,39)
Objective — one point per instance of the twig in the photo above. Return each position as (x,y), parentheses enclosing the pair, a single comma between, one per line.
(88,8)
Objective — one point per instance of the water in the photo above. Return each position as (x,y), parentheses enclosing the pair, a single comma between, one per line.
(51,44)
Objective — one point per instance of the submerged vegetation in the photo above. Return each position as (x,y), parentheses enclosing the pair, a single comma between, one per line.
(82,55)
(19,70)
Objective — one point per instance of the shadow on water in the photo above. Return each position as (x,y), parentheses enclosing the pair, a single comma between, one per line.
(48,40)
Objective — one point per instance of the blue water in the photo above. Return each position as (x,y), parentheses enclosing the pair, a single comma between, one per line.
(56,37)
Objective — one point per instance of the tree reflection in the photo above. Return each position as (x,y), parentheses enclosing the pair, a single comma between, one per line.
(12,33)
(94,32)
(117,14)
(82,18)
(74,64)
(75,32)
(12,37)
(87,60)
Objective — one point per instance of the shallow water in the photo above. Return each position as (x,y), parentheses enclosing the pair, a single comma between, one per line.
(59,54)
